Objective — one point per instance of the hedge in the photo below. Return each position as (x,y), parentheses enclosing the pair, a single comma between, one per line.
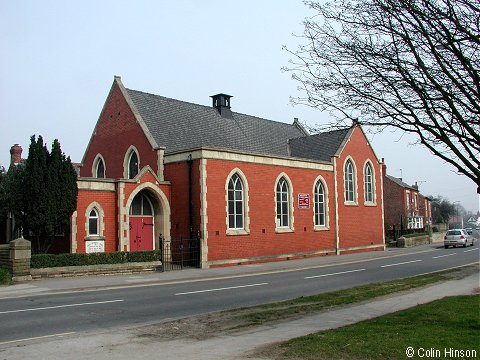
(39,261)
(5,276)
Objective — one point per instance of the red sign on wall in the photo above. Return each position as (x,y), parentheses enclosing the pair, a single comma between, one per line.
(304,201)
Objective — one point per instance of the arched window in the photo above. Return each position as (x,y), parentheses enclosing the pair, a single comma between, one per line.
(283,203)
(235,203)
(100,169)
(319,204)
(349,181)
(93,222)
(369,183)
(133,164)
(141,205)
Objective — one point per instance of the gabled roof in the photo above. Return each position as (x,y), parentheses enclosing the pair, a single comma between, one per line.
(179,125)
(400,182)
(322,146)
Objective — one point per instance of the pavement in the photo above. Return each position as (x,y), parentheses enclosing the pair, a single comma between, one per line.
(131,343)
(91,283)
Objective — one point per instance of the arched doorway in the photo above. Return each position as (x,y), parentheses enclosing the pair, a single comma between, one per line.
(142,222)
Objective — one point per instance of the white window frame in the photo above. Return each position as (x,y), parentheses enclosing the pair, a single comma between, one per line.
(280,226)
(320,180)
(100,220)
(235,180)
(350,184)
(369,181)
(245,230)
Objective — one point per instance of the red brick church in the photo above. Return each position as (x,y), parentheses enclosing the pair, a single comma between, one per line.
(252,189)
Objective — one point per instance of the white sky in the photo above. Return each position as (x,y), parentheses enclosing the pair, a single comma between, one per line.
(58,60)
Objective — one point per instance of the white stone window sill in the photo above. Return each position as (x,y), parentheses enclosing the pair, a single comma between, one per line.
(282,230)
(236,232)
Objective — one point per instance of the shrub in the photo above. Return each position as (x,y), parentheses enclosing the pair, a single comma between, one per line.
(5,276)
(50,260)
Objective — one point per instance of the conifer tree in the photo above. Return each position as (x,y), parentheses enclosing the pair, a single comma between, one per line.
(42,193)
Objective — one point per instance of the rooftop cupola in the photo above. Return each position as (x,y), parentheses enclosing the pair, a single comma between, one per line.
(221,102)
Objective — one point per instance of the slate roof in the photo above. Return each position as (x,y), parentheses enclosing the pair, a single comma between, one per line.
(320,146)
(179,125)
(399,182)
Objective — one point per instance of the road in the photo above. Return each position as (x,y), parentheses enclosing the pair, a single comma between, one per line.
(70,312)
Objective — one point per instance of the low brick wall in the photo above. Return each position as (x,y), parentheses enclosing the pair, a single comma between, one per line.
(105,269)
(413,241)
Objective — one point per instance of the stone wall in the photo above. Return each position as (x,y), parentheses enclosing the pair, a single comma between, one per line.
(414,241)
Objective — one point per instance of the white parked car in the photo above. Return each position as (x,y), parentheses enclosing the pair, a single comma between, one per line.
(457,237)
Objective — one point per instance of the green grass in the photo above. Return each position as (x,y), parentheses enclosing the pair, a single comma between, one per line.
(5,277)
(447,323)
(262,314)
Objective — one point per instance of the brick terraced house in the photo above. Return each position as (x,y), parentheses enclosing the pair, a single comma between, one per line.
(253,189)
(404,206)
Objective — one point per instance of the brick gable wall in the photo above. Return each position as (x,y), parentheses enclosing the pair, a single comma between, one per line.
(117,129)
(359,224)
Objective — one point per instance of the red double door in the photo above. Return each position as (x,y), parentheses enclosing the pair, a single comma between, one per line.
(141,233)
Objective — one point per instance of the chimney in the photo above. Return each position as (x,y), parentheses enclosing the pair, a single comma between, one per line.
(384,167)
(15,155)
(221,102)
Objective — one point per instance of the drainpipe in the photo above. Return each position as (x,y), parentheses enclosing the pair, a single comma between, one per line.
(190,204)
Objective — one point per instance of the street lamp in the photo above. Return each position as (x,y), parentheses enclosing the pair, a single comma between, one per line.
(456,210)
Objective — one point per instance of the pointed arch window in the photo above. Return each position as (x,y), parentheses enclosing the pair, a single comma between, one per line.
(133,164)
(141,205)
(236,207)
(320,213)
(349,181)
(100,169)
(93,222)
(283,203)
(369,183)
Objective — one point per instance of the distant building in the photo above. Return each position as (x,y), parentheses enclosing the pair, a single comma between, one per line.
(404,206)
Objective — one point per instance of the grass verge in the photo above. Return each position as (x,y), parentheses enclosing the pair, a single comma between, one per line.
(433,330)
(258,315)
(5,277)
(230,321)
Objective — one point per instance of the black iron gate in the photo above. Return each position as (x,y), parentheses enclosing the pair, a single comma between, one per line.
(178,254)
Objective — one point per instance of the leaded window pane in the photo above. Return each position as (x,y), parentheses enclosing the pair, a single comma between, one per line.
(283,203)
(349,182)
(319,204)
(368,183)
(235,203)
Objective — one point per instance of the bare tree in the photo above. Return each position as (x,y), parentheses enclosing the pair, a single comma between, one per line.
(407,64)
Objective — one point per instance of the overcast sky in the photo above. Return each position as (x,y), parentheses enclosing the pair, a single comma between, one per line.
(58,60)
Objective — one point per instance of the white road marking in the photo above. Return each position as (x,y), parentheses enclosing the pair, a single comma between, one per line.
(436,257)
(60,306)
(221,289)
(470,250)
(36,338)
(402,263)
(337,273)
